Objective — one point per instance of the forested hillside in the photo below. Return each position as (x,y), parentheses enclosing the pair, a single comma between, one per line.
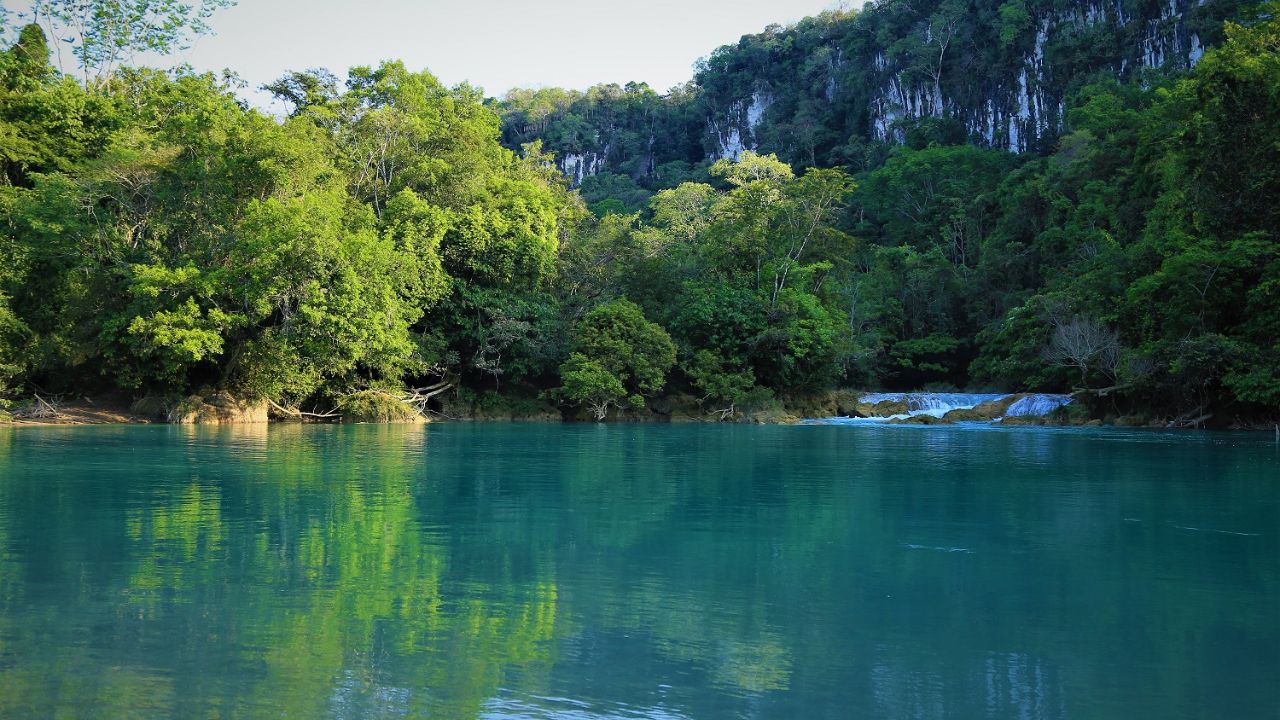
(828,90)
(830,205)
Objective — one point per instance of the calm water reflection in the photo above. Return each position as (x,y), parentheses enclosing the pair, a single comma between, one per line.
(504,571)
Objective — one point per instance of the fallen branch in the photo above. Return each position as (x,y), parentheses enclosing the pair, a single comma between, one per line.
(419,397)
(1182,422)
(296,413)
(415,398)
(725,413)
(41,409)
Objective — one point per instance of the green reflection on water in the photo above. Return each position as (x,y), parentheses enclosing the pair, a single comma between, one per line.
(504,570)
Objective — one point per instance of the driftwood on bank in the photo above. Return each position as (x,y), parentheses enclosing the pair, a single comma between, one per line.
(418,397)
(293,412)
(1191,419)
(415,398)
(41,409)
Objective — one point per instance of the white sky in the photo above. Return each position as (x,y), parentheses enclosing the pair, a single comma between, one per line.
(495,44)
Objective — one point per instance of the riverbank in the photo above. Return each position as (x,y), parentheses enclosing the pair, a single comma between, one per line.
(919,408)
(905,408)
(75,414)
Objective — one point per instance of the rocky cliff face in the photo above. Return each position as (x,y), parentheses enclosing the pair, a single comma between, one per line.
(997,71)
(578,166)
(1023,107)
(735,131)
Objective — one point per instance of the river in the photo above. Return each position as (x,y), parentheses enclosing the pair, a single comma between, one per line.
(638,571)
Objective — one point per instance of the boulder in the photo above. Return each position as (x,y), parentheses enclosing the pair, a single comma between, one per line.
(993,409)
(920,420)
(774,417)
(219,408)
(968,415)
(152,407)
(847,402)
(882,409)
(812,406)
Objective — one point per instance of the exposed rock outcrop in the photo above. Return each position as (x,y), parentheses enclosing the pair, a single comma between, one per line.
(882,409)
(218,408)
(984,412)
(919,420)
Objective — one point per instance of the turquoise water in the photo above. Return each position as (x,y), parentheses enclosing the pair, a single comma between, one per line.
(580,571)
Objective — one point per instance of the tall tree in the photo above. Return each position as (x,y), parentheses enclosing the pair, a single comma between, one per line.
(106,34)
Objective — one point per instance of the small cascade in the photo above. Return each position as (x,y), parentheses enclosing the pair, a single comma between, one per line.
(1037,405)
(991,407)
(935,404)
(939,404)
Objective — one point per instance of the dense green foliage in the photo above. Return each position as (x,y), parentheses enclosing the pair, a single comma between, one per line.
(617,355)
(162,239)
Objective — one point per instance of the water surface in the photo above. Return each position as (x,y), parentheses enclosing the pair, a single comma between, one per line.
(580,571)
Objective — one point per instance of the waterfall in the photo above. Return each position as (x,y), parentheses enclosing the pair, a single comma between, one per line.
(935,404)
(1037,405)
(939,404)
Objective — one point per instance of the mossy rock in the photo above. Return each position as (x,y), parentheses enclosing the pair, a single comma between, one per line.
(920,420)
(153,407)
(5,417)
(994,409)
(218,408)
(374,406)
(1132,421)
(967,415)
(882,409)
(846,402)
(771,416)
(812,406)
(1023,421)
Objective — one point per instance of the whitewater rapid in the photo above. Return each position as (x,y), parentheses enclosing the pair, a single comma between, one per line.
(938,404)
